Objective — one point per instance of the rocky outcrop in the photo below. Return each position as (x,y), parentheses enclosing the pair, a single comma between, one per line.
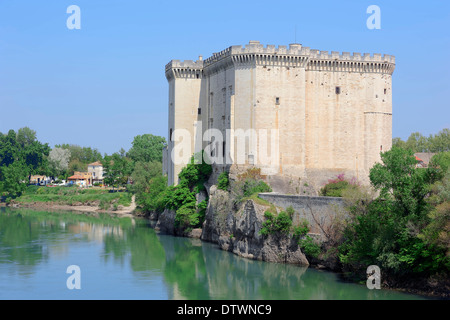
(236,229)
(166,222)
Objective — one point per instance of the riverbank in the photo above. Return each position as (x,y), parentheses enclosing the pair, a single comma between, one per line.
(95,200)
(235,235)
(236,229)
(94,207)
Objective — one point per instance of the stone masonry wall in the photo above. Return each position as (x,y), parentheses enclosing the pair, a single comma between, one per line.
(318,211)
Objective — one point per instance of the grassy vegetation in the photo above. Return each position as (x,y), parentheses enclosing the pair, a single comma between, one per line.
(271,207)
(74,195)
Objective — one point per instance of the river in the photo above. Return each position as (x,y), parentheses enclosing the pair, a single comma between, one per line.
(124,258)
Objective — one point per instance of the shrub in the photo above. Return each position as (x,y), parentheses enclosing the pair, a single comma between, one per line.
(223,181)
(181,198)
(335,187)
(280,223)
(309,247)
(301,230)
(252,186)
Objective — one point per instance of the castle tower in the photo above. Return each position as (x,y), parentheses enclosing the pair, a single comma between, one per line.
(185,81)
(330,113)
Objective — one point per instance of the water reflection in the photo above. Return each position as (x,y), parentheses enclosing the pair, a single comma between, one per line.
(142,264)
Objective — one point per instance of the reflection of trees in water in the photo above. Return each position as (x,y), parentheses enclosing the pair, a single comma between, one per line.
(191,269)
(19,238)
(233,277)
(27,236)
(185,268)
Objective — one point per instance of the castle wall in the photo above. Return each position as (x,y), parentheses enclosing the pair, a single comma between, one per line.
(280,105)
(184,101)
(333,111)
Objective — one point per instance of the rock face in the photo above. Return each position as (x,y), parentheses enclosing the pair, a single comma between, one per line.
(166,222)
(236,229)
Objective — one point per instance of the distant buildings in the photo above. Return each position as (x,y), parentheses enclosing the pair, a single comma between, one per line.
(423,159)
(96,168)
(94,175)
(38,179)
(83,179)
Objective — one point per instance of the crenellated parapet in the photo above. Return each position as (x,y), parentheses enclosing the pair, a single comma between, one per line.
(184,69)
(256,54)
(335,61)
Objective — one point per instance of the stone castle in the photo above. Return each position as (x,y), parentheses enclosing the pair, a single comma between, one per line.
(332,112)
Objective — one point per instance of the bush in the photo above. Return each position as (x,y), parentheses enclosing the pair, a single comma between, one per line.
(335,187)
(309,247)
(248,184)
(280,223)
(223,181)
(181,198)
(301,230)
(251,187)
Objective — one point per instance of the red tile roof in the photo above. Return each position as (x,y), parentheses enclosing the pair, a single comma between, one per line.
(97,163)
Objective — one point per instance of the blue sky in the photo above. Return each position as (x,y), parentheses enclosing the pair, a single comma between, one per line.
(104,84)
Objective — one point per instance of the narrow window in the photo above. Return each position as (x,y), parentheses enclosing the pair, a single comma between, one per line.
(385,91)
(170,135)
(277,100)
(338,90)
(223,149)
(199,110)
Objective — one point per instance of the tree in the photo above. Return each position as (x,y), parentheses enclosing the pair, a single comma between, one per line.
(416,142)
(117,170)
(147,148)
(59,160)
(388,232)
(21,155)
(25,136)
(14,178)
(148,185)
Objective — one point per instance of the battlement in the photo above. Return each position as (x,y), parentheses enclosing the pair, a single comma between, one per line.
(186,68)
(295,55)
(345,56)
(185,64)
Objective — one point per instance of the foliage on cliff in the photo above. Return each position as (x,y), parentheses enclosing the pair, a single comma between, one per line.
(335,187)
(181,197)
(248,183)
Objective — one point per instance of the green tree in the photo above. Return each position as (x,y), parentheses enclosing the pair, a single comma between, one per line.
(387,233)
(147,148)
(148,184)
(25,136)
(399,143)
(416,142)
(21,156)
(117,170)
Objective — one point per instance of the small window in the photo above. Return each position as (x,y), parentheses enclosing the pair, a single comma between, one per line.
(338,90)
(170,135)
(277,100)
(199,110)
(223,148)
(385,91)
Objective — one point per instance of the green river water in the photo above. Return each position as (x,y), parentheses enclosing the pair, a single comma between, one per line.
(123,258)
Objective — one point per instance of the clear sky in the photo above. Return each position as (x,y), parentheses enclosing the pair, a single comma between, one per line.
(103,84)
